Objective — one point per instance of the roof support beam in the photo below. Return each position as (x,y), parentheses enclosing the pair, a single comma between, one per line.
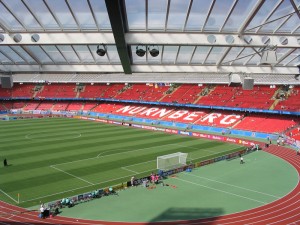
(295,7)
(115,8)
(149,69)
(135,38)
(250,16)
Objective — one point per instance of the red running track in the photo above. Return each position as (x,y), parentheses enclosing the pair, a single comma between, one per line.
(282,211)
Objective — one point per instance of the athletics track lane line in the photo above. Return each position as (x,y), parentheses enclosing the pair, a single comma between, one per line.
(269,213)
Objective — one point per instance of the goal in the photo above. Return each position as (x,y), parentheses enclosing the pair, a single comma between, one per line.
(171,161)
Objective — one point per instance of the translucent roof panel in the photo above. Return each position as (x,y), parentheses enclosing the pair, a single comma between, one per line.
(200,54)
(255,60)
(232,55)
(185,54)
(262,14)
(68,53)
(157,11)
(43,14)
(177,14)
(295,61)
(281,53)
(215,54)
(285,8)
(198,14)
(291,24)
(61,11)
(297,31)
(136,14)
(112,54)
(169,54)
(101,15)
(244,56)
(9,20)
(83,14)
(4,59)
(11,54)
(23,14)
(53,52)
(38,53)
(84,53)
(23,54)
(292,59)
(237,16)
(218,15)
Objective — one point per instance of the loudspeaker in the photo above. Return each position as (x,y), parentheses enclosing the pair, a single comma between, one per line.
(234,80)
(7,82)
(248,83)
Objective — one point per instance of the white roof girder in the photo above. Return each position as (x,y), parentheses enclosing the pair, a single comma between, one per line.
(63,68)
(148,69)
(201,40)
(135,38)
(61,39)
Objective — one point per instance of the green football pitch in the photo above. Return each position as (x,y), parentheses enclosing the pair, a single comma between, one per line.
(59,157)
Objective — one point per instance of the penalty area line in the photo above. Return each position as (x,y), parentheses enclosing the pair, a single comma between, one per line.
(8,196)
(124,168)
(72,175)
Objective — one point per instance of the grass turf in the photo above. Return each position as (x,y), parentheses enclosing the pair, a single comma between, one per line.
(54,158)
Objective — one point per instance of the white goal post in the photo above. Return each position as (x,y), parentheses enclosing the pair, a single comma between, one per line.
(171,161)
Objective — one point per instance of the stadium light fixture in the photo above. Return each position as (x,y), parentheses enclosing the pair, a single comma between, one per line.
(269,56)
(101,50)
(153,50)
(140,50)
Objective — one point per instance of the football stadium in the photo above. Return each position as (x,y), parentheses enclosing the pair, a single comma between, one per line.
(163,112)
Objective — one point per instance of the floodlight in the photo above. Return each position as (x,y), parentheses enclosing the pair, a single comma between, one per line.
(101,50)
(153,50)
(269,57)
(140,50)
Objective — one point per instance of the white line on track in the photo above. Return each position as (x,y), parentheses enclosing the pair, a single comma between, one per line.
(8,196)
(72,175)
(231,185)
(215,189)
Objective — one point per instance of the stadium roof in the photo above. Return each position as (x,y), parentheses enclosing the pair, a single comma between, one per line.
(193,36)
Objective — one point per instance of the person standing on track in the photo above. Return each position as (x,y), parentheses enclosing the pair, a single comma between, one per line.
(242,160)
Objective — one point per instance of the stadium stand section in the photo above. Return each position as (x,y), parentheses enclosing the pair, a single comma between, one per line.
(261,97)
(57,91)
(185,94)
(290,101)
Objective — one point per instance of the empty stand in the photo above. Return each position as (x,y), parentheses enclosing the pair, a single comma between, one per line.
(75,106)
(266,123)
(57,91)
(31,105)
(184,94)
(45,106)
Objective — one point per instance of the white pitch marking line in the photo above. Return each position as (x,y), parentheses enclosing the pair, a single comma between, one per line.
(231,185)
(53,166)
(72,175)
(124,168)
(8,196)
(215,189)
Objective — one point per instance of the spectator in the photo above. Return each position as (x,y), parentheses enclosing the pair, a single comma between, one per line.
(42,211)
(242,160)
(132,181)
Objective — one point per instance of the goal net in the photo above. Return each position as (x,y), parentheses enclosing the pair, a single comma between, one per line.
(171,161)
